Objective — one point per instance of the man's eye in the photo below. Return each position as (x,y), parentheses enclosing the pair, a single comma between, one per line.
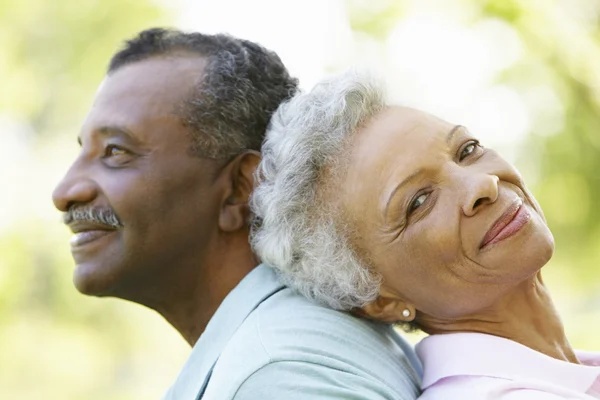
(112,151)
(468,149)
(417,202)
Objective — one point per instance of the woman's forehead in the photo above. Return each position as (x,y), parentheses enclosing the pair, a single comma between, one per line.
(394,144)
(395,131)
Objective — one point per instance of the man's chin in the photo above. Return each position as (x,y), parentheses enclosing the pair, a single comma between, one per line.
(89,281)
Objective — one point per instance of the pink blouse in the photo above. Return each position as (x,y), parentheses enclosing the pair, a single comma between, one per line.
(475,366)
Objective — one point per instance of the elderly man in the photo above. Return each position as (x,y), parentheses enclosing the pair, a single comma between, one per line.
(158,203)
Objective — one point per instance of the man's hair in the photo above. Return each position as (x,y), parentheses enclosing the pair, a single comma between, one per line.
(243,83)
(297,228)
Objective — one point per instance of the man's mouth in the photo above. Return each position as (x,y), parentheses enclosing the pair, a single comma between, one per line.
(86,232)
(509,223)
(81,238)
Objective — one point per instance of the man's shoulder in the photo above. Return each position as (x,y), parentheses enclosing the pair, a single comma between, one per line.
(289,329)
(289,325)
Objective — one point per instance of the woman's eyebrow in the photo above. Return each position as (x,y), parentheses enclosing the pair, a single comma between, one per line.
(453,133)
(414,175)
(404,182)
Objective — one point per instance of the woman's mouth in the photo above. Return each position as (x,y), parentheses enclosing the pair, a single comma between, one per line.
(509,223)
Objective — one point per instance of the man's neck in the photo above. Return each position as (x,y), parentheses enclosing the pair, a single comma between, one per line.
(189,302)
(525,315)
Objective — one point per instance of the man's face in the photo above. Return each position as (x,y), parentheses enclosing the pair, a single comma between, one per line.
(136,167)
(448,224)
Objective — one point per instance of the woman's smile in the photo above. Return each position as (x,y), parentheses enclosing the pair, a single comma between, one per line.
(509,223)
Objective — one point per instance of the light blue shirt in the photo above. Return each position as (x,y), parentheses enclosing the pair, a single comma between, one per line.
(267,342)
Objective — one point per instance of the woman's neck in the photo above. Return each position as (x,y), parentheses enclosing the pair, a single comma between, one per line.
(525,315)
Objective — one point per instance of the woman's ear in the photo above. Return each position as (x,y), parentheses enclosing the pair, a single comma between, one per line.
(387,307)
(235,211)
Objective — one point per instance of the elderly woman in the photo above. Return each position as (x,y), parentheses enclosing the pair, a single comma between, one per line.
(399,216)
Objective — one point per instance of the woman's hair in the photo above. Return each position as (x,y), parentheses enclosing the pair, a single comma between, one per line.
(295,230)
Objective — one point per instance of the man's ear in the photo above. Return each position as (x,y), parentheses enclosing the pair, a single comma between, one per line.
(240,174)
(387,307)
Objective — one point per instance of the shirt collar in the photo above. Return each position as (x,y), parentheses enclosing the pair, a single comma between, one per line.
(256,287)
(477,354)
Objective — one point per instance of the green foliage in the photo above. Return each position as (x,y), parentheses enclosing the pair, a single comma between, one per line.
(375,18)
(55,343)
(508,10)
(567,52)
(55,54)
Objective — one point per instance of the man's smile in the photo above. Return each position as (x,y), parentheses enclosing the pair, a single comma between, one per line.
(86,232)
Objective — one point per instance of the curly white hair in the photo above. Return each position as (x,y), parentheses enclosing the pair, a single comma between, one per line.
(294,230)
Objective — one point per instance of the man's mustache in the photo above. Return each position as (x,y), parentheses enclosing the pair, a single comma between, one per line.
(98,215)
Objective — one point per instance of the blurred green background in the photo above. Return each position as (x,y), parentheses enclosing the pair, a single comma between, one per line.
(522,74)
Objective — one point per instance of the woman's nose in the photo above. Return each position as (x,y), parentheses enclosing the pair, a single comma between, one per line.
(480,189)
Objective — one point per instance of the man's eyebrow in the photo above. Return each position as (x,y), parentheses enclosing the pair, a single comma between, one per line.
(113,130)
(404,182)
(453,133)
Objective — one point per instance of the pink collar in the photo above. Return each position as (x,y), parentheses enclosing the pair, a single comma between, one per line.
(476,354)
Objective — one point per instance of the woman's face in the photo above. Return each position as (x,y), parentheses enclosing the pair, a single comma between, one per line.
(448,224)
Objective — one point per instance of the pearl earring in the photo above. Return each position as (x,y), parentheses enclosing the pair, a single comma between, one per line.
(406,313)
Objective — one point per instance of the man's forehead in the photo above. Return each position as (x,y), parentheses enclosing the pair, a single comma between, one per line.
(101,85)
(152,88)
(162,78)
(144,94)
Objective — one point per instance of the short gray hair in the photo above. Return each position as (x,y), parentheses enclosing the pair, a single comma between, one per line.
(295,231)
(243,83)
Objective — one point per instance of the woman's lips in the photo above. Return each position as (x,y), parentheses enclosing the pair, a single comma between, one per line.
(508,224)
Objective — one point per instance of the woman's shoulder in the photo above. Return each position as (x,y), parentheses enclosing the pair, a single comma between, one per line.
(479,366)
(589,358)
(490,388)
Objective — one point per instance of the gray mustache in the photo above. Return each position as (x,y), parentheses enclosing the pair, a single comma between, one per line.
(99,215)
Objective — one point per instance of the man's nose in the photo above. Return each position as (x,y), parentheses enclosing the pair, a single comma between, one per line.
(479,189)
(74,188)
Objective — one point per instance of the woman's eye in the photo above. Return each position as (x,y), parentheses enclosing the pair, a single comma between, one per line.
(417,202)
(468,150)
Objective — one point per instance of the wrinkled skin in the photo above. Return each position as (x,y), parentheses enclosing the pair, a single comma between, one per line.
(426,226)
(179,213)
